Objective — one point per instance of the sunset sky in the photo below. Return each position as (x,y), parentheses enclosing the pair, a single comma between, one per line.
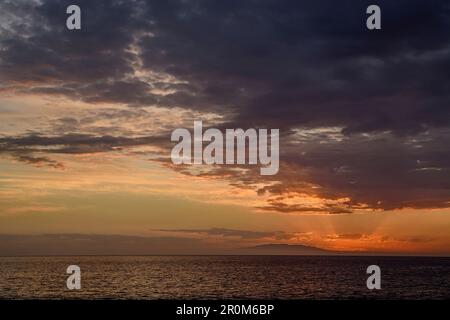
(86,118)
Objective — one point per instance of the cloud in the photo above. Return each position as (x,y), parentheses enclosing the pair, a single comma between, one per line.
(40,161)
(346,236)
(413,239)
(72,144)
(364,116)
(378,238)
(34,209)
(242,234)
(279,63)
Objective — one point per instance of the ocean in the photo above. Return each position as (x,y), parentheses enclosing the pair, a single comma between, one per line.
(224,277)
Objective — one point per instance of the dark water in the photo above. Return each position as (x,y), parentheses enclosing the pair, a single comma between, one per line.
(224,277)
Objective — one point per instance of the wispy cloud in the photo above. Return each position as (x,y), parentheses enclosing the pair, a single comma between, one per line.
(241,234)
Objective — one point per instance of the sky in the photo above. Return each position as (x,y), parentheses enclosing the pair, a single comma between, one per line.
(86,118)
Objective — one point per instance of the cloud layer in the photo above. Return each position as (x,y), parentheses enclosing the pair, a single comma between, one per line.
(364,116)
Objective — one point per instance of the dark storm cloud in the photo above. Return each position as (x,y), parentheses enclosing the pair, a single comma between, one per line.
(290,63)
(283,63)
(275,64)
(379,171)
(382,171)
(45,51)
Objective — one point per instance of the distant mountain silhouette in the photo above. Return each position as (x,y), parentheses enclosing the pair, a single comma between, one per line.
(286,249)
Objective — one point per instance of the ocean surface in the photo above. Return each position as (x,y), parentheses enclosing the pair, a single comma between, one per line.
(224,277)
